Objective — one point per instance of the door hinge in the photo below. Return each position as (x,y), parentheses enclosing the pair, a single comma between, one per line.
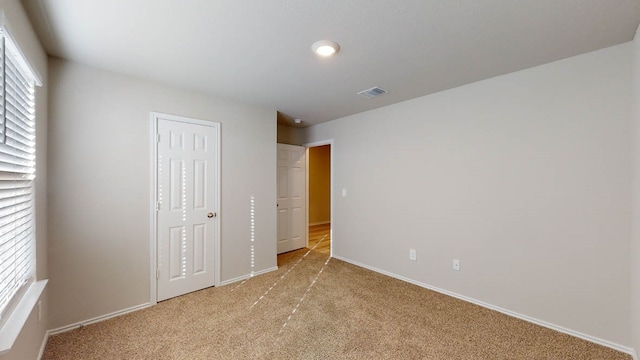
(157,138)
(157,274)
(158,205)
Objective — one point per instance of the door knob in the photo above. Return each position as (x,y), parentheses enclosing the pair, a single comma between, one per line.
(210,215)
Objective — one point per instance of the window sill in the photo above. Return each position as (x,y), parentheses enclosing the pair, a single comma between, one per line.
(11,329)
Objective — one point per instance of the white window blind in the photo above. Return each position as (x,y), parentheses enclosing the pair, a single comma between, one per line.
(17,174)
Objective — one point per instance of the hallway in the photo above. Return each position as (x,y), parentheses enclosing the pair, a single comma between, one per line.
(320,238)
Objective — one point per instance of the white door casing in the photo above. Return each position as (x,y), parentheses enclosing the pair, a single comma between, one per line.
(187,205)
(292,234)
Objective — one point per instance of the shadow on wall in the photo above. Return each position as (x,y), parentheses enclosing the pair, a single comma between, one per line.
(290,135)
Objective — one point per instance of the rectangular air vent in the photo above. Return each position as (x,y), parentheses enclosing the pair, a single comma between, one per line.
(373,92)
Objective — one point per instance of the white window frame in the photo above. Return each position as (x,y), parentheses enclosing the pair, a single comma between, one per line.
(24,291)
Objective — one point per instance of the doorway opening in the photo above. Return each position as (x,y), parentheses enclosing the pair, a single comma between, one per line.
(319,188)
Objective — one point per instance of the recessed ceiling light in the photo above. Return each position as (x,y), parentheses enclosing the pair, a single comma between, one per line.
(325,47)
(297,121)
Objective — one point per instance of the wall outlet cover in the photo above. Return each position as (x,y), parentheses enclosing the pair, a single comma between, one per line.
(456,264)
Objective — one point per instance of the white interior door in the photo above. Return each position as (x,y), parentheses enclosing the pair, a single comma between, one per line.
(187,191)
(291,198)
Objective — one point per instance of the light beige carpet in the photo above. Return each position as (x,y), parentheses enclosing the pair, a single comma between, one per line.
(316,308)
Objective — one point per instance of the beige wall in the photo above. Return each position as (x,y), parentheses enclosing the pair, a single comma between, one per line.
(319,184)
(635,240)
(525,178)
(30,339)
(100,192)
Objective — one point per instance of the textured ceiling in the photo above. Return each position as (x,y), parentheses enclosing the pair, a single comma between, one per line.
(258,52)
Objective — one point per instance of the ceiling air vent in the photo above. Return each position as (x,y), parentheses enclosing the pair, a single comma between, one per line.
(373,92)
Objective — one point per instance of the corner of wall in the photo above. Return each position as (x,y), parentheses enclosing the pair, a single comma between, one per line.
(635,237)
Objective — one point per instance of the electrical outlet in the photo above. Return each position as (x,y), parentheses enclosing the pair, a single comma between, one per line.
(456,264)
(412,254)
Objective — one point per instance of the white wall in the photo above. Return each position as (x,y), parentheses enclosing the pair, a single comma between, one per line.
(30,339)
(635,240)
(99,205)
(525,178)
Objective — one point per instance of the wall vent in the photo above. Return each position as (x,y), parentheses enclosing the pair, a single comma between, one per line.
(373,92)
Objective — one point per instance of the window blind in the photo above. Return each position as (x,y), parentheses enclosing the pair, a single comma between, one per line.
(17,174)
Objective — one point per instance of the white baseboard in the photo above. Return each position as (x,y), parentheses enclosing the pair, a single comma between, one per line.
(43,345)
(97,319)
(319,223)
(247,276)
(561,329)
(134,308)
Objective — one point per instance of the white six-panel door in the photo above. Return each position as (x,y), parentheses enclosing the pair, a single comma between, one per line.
(187,187)
(291,182)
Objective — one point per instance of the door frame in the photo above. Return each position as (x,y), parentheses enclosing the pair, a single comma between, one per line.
(331,178)
(153,253)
